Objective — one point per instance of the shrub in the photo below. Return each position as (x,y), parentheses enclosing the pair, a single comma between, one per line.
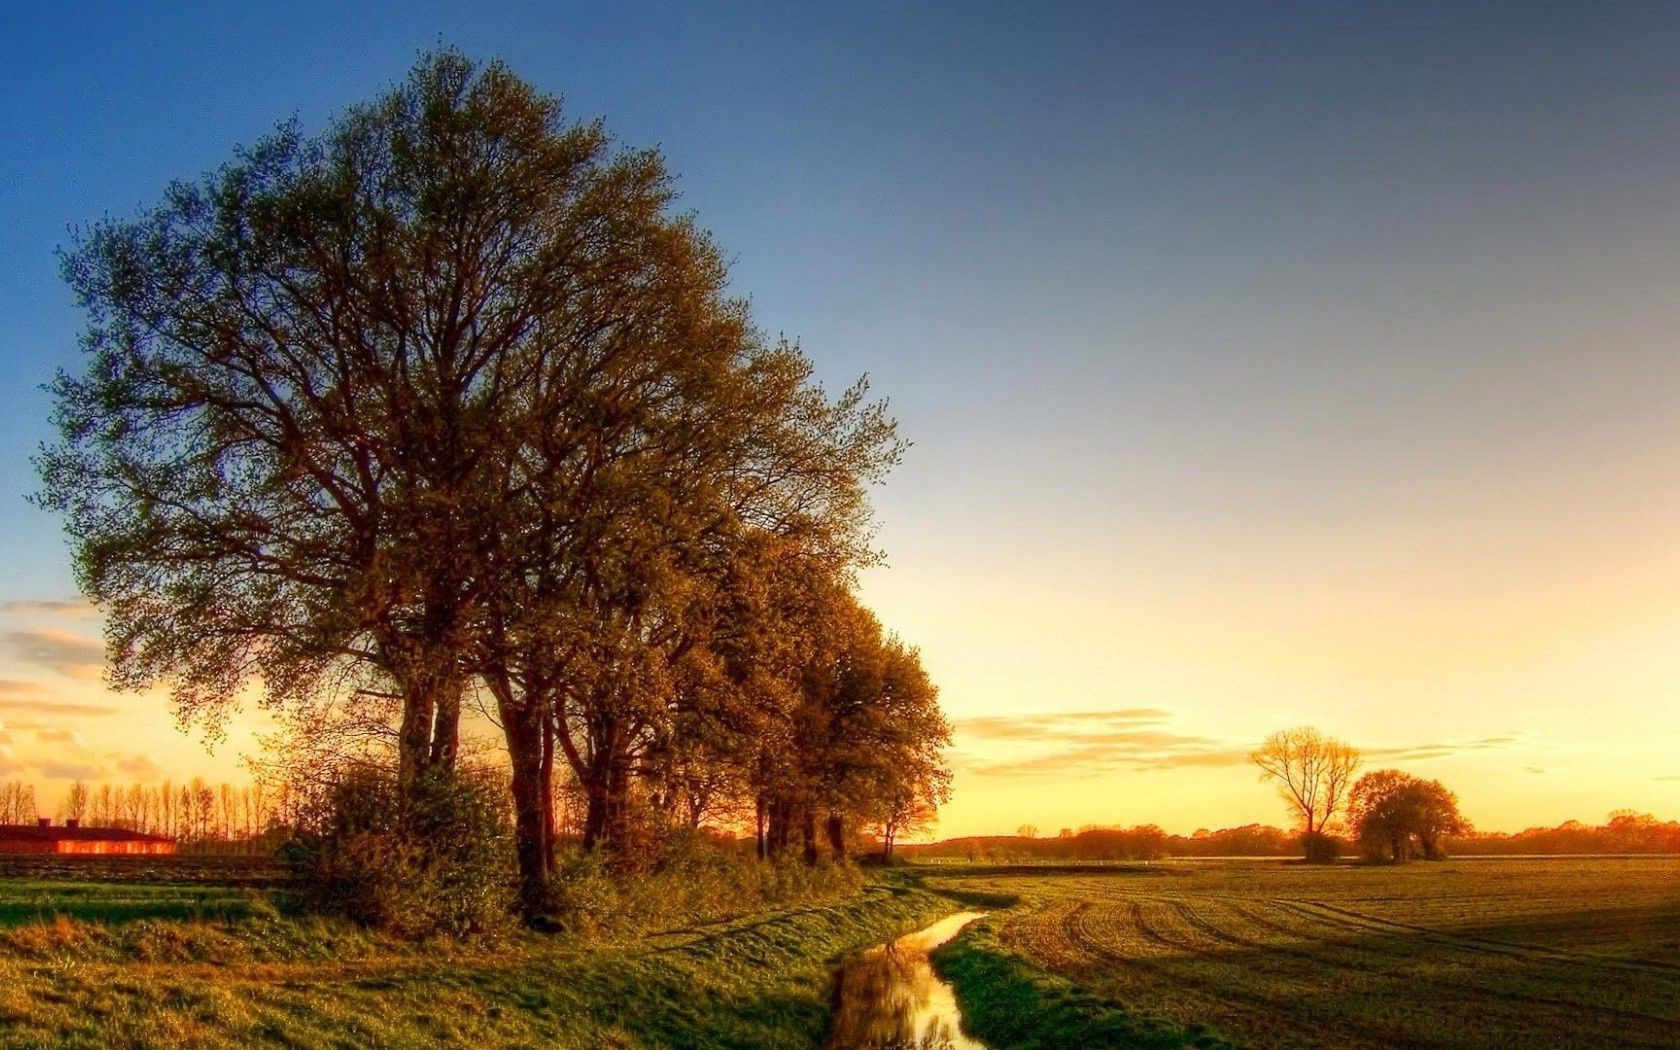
(435,862)
(1320,848)
(694,879)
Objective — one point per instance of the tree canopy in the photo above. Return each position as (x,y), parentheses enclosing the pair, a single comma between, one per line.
(450,396)
(1399,816)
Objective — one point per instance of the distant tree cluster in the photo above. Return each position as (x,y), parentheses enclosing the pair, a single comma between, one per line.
(1397,816)
(1626,831)
(450,404)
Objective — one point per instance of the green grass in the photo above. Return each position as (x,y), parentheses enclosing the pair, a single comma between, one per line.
(1009,1002)
(1578,952)
(271,980)
(42,900)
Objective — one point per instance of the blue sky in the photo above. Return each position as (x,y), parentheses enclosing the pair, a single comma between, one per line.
(1265,363)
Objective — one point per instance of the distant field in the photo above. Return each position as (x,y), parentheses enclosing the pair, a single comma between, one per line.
(1462,953)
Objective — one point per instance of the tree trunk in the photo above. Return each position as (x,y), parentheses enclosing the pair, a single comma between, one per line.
(836,827)
(547,775)
(414,736)
(446,728)
(808,833)
(758,826)
(523,726)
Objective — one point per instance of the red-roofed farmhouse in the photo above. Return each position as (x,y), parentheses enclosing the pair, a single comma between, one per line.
(71,837)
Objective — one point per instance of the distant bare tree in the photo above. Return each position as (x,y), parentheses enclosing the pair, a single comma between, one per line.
(1313,773)
(76,802)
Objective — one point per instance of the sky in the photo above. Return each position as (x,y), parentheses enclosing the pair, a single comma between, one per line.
(1265,364)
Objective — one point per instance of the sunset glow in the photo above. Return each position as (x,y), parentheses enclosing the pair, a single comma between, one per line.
(1235,403)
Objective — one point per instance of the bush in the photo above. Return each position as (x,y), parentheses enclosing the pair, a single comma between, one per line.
(1320,848)
(436,862)
(694,879)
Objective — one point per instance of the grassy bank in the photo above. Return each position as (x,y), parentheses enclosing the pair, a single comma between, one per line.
(1009,1002)
(271,980)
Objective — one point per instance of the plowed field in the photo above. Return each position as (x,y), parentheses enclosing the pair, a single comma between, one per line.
(1463,953)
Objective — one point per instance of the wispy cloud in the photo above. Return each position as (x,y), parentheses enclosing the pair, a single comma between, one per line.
(1443,749)
(1092,743)
(71,607)
(60,736)
(71,771)
(139,767)
(56,707)
(1057,726)
(66,652)
(1087,743)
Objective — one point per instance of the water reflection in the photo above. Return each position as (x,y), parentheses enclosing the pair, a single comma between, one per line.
(889,998)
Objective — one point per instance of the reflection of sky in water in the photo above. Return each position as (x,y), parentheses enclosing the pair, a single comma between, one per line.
(889,997)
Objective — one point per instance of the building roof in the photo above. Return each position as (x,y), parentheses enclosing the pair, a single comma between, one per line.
(36,833)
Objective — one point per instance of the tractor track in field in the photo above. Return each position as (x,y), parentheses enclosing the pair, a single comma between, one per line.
(1358,920)
(1457,987)
(1264,1008)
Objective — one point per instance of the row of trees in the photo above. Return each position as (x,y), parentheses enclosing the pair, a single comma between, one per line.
(450,403)
(238,818)
(1626,831)
(1391,814)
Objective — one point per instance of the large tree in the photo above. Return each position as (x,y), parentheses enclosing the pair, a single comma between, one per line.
(1312,772)
(450,393)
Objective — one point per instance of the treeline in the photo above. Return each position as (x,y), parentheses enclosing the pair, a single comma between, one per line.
(1093,843)
(450,406)
(213,818)
(1624,832)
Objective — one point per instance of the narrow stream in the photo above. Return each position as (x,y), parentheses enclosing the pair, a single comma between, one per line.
(889,995)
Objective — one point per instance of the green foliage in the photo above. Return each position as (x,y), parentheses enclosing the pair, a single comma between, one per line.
(434,861)
(694,882)
(1007,1001)
(41,900)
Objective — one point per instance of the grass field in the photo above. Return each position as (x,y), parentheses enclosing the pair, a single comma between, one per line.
(97,974)
(1519,952)
(44,900)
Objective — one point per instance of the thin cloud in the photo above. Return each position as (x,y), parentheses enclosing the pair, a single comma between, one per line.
(1092,743)
(70,654)
(1443,749)
(1090,759)
(1057,726)
(45,607)
(60,736)
(54,707)
(1088,743)
(71,771)
(139,767)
